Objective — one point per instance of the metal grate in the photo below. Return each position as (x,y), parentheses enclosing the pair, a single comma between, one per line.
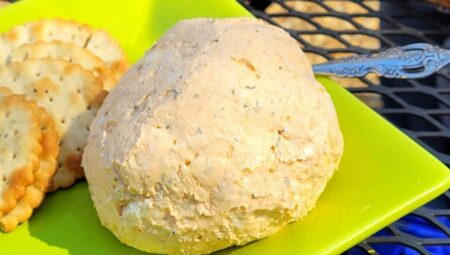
(328,29)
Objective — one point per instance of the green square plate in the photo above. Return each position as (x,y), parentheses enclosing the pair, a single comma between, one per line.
(383,174)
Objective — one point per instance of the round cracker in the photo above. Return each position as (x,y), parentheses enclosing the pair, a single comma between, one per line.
(69,52)
(70,95)
(35,193)
(99,42)
(20,147)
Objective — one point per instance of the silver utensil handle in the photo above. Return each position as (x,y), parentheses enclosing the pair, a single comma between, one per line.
(408,62)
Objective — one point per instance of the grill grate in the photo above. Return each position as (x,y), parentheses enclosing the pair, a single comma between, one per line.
(328,29)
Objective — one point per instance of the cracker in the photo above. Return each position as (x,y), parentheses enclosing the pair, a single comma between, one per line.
(44,30)
(20,147)
(35,193)
(69,52)
(71,96)
(99,42)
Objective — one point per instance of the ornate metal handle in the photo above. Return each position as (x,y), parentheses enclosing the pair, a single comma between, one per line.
(408,62)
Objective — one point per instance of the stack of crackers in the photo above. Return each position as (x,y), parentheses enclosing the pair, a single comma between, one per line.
(54,75)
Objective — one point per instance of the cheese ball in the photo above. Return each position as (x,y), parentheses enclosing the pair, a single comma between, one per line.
(218,136)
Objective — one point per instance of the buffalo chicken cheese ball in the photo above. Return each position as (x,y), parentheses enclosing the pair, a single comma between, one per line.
(218,136)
